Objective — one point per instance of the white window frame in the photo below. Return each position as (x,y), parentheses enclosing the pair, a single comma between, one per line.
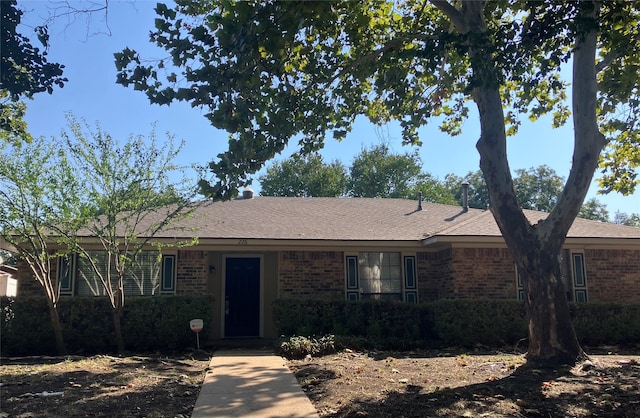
(408,277)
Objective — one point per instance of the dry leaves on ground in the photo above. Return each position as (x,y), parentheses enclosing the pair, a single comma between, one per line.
(442,384)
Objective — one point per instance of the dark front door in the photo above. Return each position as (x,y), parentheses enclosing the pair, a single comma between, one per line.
(242,297)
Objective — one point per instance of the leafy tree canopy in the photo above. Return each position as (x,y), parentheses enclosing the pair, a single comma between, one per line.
(627,219)
(24,69)
(304,176)
(478,194)
(594,210)
(376,172)
(538,188)
(13,127)
(268,71)
(433,190)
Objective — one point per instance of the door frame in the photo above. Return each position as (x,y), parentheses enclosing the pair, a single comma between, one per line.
(223,286)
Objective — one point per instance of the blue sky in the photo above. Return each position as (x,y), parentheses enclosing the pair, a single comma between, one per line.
(92,94)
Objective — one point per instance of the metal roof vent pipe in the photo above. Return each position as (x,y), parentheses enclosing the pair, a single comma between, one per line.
(419,201)
(465,196)
(247,193)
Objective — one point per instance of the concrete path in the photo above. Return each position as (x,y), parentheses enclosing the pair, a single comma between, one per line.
(244,383)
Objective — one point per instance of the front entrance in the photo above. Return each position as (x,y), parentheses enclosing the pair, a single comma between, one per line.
(242,297)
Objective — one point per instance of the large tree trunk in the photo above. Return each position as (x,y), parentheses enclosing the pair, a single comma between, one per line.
(552,339)
(536,248)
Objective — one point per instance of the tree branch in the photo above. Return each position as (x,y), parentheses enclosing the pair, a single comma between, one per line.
(608,59)
(588,140)
(453,14)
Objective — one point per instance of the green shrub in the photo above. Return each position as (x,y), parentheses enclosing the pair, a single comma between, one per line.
(389,325)
(26,327)
(299,347)
(606,323)
(159,323)
(446,323)
(468,323)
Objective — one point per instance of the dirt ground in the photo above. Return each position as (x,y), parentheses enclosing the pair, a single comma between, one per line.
(346,384)
(101,386)
(445,384)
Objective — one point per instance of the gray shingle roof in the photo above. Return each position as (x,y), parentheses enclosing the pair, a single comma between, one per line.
(485,225)
(348,219)
(356,219)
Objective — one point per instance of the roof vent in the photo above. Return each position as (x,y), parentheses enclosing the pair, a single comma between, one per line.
(419,201)
(465,196)
(247,193)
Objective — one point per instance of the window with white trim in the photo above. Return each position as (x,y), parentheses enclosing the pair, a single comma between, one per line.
(148,275)
(381,276)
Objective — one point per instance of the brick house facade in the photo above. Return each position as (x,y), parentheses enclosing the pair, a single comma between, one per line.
(251,252)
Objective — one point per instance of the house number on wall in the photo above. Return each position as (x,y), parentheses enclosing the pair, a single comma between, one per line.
(242,242)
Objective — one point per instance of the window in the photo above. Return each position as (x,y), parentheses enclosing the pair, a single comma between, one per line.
(372,275)
(410,280)
(168,274)
(353,289)
(579,277)
(148,275)
(519,285)
(66,267)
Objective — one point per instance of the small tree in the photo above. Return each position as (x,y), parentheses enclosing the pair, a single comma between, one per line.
(304,176)
(39,212)
(132,199)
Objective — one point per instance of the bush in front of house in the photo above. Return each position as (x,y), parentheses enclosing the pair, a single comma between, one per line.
(388,325)
(606,323)
(25,327)
(446,323)
(298,347)
(159,323)
(468,323)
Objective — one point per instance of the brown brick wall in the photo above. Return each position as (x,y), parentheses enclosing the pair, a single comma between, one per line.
(27,284)
(613,275)
(192,272)
(486,273)
(311,275)
(435,280)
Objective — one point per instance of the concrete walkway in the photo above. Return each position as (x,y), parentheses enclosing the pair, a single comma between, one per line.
(244,383)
